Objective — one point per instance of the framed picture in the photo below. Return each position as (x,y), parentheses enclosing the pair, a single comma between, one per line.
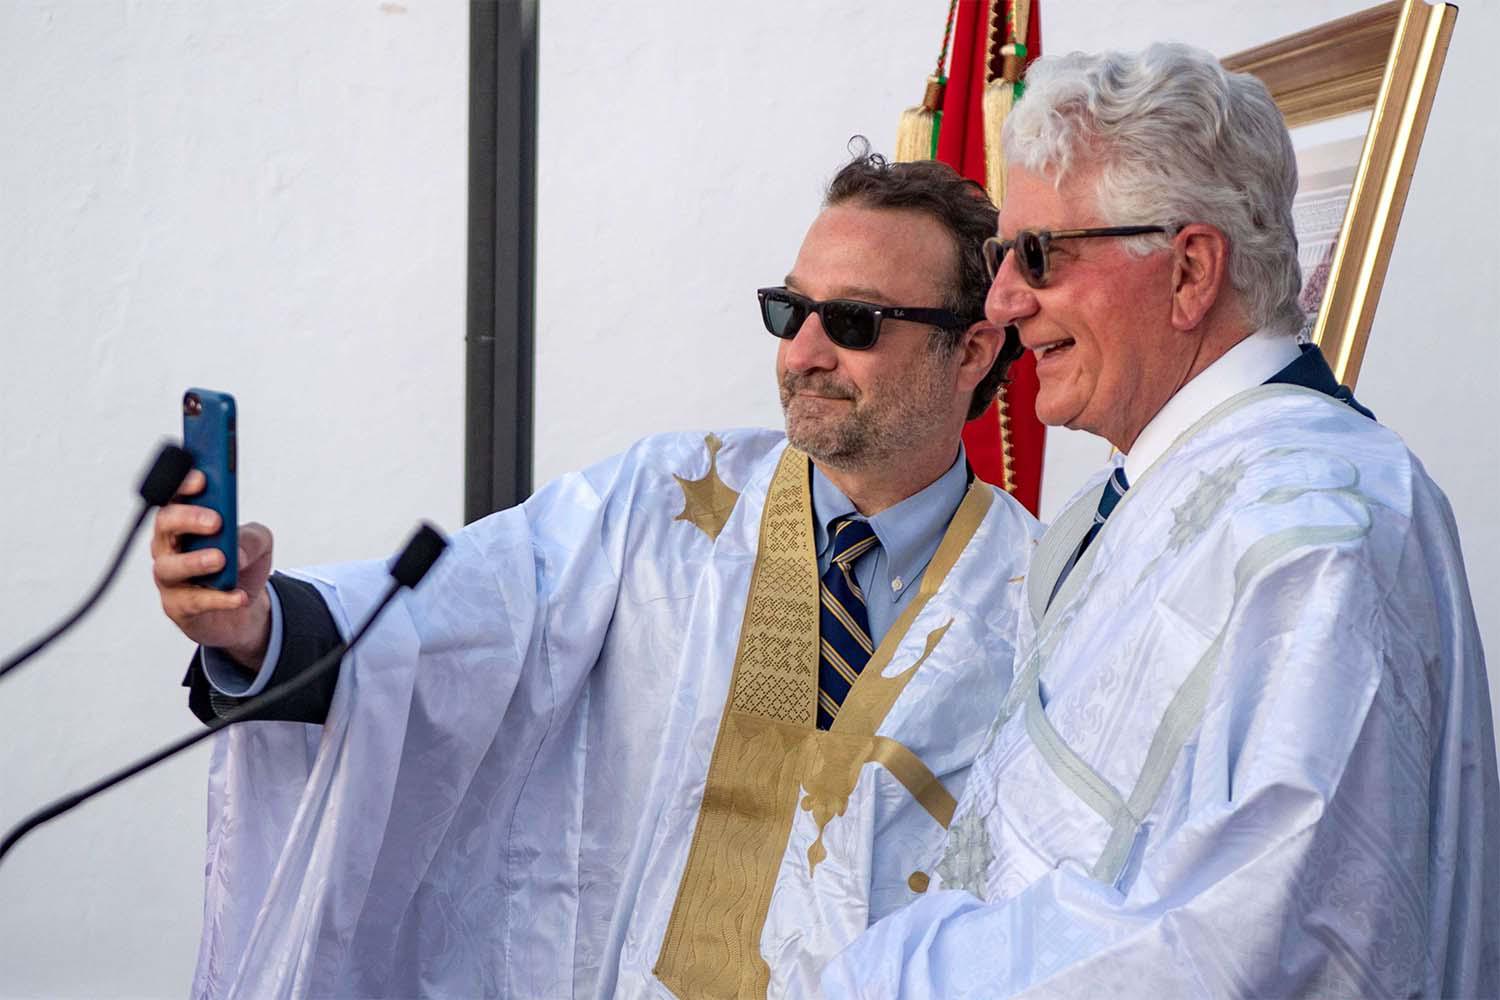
(1356,93)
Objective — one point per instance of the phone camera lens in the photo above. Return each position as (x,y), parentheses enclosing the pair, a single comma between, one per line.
(192,405)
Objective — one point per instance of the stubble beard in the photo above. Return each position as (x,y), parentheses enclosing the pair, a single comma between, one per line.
(882,424)
(838,439)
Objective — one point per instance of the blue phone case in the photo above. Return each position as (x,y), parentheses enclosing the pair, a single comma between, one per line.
(208,433)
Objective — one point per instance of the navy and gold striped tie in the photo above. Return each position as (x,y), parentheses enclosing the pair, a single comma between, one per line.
(843,621)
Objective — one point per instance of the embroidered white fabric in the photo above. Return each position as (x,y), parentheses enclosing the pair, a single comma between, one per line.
(501,800)
(1248,753)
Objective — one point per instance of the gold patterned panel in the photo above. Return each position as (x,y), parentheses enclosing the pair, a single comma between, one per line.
(769,751)
(776,668)
(712,944)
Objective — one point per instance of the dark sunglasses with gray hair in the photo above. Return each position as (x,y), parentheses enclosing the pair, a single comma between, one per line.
(1033,247)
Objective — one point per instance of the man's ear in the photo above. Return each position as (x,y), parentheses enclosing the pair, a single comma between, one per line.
(979,346)
(1200,273)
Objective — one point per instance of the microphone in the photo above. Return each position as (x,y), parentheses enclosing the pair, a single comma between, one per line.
(165,475)
(416,558)
(162,480)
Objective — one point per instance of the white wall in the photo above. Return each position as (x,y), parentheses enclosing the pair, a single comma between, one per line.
(269,198)
(263,197)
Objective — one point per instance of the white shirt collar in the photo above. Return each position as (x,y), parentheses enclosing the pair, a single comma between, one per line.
(1245,365)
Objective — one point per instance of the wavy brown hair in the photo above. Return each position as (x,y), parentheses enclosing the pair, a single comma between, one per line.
(961,207)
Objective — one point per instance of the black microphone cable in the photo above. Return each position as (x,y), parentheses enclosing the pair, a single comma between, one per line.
(415,560)
(162,480)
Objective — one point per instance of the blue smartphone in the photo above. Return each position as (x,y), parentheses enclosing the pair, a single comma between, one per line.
(208,433)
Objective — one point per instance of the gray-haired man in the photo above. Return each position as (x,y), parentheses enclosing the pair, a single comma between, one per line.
(1249,750)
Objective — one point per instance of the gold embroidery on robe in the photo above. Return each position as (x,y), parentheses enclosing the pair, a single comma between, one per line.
(769,750)
(707,502)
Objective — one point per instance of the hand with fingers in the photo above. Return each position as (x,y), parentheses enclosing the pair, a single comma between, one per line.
(238,621)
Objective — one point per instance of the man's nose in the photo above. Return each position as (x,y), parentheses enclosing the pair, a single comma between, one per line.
(810,349)
(1010,298)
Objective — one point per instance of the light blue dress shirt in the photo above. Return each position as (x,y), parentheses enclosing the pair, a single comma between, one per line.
(909,534)
(228,677)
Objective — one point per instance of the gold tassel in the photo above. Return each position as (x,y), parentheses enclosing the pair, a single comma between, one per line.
(1000,93)
(916,134)
(999,98)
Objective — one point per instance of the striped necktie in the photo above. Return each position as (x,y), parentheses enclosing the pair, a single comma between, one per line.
(843,622)
(1114,489)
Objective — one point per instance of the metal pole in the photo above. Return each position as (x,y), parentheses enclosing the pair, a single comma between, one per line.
(502,257)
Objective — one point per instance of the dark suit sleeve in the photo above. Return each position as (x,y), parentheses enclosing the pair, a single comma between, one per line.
(308,632)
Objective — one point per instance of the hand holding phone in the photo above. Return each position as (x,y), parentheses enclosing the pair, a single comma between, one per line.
(195,546)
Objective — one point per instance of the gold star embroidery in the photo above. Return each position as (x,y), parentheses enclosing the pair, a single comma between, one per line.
(707,502)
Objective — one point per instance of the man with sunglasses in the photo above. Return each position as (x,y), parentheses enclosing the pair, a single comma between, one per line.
(1248,751)
(683,722)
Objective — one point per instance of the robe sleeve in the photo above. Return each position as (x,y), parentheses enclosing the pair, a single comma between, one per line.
(1324,832)
(352,855)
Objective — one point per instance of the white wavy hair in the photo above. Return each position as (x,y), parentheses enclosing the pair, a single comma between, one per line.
(1178,140)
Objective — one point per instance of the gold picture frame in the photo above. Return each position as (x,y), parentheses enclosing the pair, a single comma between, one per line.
(1385,60)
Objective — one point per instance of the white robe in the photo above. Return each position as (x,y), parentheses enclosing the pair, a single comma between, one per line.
(511,780)
(1248,752)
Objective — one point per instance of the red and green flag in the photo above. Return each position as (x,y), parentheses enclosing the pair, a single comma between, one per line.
(959,123)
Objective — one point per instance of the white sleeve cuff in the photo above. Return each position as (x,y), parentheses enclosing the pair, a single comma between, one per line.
(228,677)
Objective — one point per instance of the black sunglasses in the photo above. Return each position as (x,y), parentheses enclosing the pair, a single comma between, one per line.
(1032,246)
(849,323)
